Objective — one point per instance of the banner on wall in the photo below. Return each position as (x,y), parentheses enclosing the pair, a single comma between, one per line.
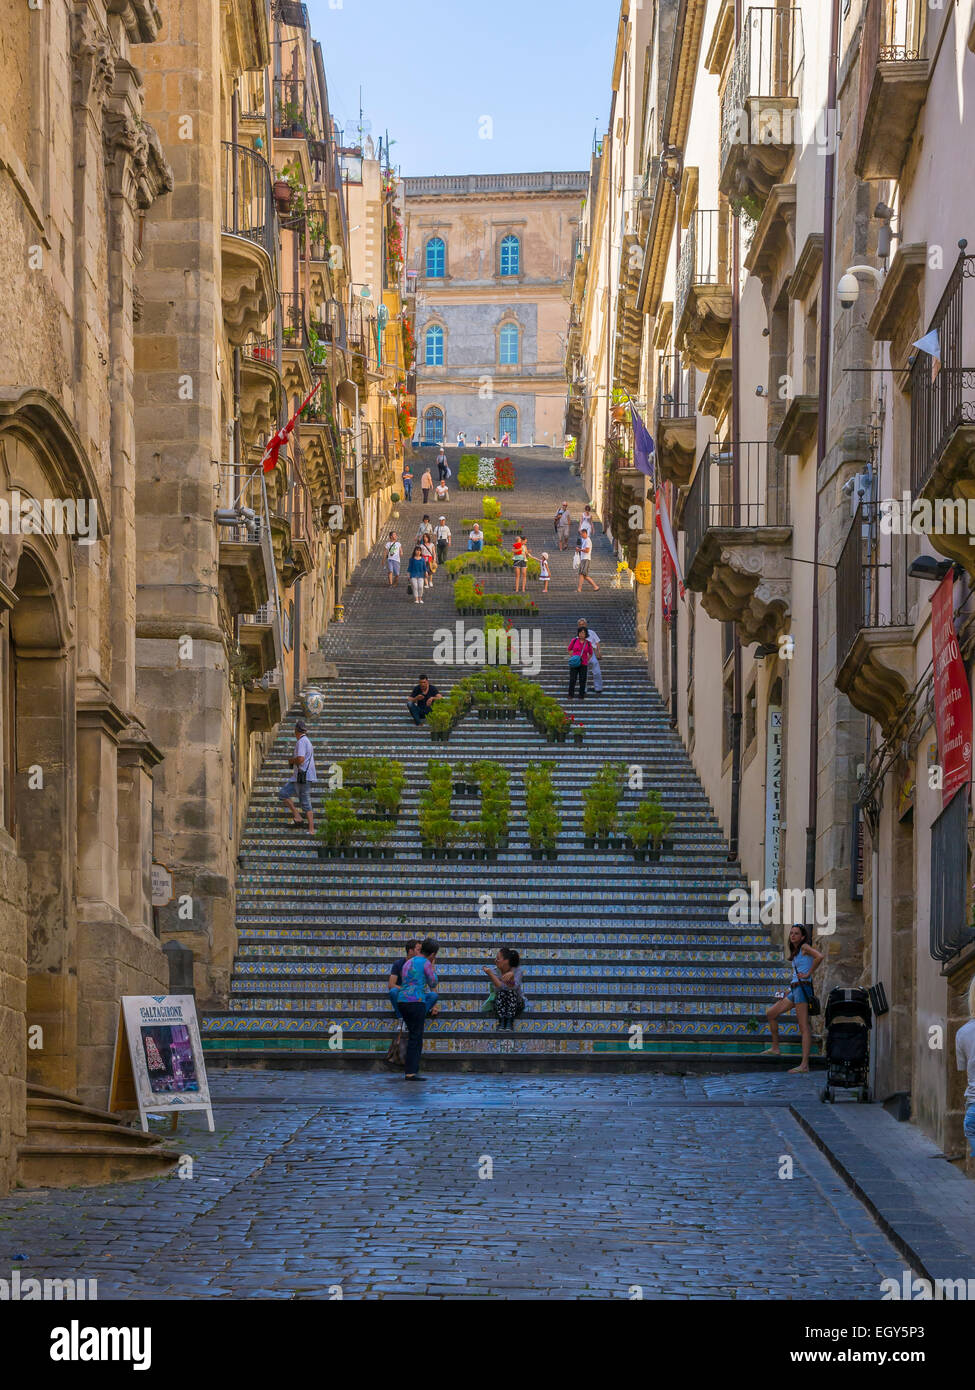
(159,1064)
(952,694)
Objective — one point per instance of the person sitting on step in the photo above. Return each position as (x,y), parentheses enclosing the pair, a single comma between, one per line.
(509,998)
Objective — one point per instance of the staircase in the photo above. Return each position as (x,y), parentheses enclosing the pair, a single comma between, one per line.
(74,1145)
(615,953)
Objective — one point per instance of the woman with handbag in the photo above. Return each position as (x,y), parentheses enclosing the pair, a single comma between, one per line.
(800,995)
(580,655)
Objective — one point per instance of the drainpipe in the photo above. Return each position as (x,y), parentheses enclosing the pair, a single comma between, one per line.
(735,816)
(822,443)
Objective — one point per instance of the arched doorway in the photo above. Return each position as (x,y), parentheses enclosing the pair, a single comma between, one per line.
(508,423)
(42,816)
(433,425)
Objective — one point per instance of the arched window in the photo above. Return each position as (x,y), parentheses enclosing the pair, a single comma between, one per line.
(436,258)
(508,344)
(508,423)
(433,425)
(433,346)
(510,255)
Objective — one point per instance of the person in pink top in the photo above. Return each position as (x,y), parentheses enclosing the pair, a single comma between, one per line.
(521,555)
(580,655)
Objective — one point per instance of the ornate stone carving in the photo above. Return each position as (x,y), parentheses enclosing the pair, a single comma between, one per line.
(94,62)
(137,168)
(744,576)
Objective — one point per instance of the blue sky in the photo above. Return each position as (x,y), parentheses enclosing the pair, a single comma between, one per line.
(430,70)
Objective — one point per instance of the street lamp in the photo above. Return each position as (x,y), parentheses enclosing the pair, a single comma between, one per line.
(927,567)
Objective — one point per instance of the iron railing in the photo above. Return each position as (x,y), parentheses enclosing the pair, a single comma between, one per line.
(869,593)
(763,492)
(949,930)
(902,31)
(703,257)
(767,63)
(675,388)
(290,108)
(294,322)
(942,397)
(248,206)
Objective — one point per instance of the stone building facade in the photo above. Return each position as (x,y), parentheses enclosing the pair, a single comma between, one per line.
(178,261)
(492,255)
(798,668)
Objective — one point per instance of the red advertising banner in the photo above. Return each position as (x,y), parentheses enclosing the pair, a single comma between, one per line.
(952,695)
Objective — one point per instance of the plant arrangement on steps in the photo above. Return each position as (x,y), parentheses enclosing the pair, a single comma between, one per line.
(475,472)
(542,804)
(470,599)
(498,647)
(498,689)
(601,801)
(492,557)
(442,836)
(360,815)
(646,828)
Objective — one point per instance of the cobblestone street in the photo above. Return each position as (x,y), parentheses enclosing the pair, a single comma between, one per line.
(601,1186)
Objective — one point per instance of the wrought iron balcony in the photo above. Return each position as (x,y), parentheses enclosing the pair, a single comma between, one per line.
(702,305)
(675,431)
(737,553)
(943,417)
(248,244)
(760,106)
(896,70)
(874,641)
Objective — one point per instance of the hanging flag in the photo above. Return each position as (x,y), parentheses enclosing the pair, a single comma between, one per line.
(666,584)
(931,344)
(952,694)
(667,539)
(274,445)
(642,444)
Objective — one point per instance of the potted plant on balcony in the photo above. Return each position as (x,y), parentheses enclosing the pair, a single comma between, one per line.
(621,409)
(282,195)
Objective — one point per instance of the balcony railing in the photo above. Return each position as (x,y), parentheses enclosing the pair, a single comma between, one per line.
(293,320)
(866,594)
(767,64)
(942,398)
(248,207)
(902,30)
(763,492)
(291,120)
(703,257)
(675,388)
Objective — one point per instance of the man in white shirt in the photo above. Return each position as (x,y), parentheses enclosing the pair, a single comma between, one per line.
(965,1057)
(595,673)
(475,540)
(585,556)
(441,492)
(441,534)
(394,555)
(302,762)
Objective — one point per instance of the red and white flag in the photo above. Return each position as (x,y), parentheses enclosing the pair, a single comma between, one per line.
(270,460)
(667,541)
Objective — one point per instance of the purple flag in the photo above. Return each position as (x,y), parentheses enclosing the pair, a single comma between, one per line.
(642,444)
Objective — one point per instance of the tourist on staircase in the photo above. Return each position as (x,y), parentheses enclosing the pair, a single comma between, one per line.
(800,994)
(562,523)
(421,699)
(584,547)
(443,472)
(441,492)
(521,555)
(595,670)
(417,571)
(965,1060)
(426,483)
(544,573)
(302,763)
(509,998)
(407,476)
(475,540)
(412,948)
(580,655)
(419,981)
(394,556)
(430,559)
(441,535)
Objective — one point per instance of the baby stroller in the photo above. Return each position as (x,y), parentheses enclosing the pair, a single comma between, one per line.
(848,1021)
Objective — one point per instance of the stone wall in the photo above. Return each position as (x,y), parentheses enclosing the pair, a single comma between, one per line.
(13,1008)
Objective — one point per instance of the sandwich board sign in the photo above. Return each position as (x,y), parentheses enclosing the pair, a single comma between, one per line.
(159,1066)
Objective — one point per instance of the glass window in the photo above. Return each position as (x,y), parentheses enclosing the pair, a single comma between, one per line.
(433,347)
(433,425)
(510,255)
(436,258)
(508,424)
(508,344)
